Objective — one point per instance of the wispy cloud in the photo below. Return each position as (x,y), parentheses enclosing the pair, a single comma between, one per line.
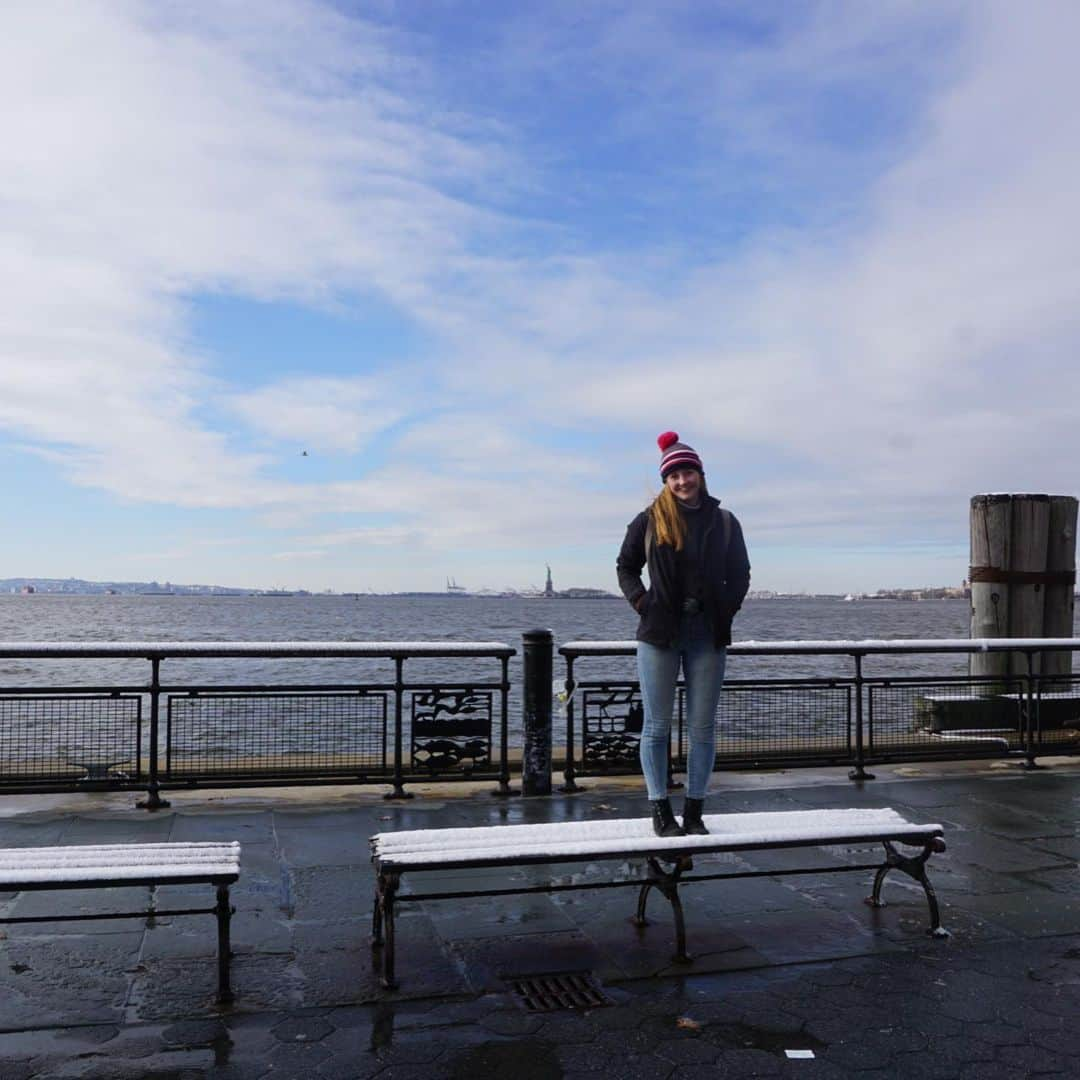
(178,153)
(835,247)
(337,415)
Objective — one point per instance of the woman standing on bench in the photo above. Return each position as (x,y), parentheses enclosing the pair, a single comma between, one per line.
(698,576)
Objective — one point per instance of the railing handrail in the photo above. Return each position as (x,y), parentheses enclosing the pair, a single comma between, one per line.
(406,649)
(161,650)
(864,647)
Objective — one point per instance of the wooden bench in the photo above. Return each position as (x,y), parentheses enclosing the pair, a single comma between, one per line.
(667,861)
(106,866)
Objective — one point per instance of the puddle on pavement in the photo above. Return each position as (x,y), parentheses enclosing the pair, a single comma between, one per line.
(524,1059)
(221,1045)
(748,1037)
(382,1029)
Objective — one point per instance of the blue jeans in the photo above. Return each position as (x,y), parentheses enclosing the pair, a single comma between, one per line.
(658,669)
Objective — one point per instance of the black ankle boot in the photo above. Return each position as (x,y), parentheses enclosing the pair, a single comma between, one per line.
(663,818)
(691,818)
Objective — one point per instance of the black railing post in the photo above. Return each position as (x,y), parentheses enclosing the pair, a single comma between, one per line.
(504,733)
(568,785)
(1033,732)
(153,800)
(537,649)
(859,772)
(399,791)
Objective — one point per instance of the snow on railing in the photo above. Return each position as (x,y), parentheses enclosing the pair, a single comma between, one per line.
(166,649)
(846,647)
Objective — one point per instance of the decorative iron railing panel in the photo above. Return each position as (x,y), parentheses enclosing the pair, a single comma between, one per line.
(612,717)
(260,733)
(451,729)
(69,737)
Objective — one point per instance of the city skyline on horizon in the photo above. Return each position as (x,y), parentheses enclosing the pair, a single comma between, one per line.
(155,587)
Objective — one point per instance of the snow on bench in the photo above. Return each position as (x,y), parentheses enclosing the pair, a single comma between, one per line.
(82,863)
(574,840)
(418,850)
(101,866)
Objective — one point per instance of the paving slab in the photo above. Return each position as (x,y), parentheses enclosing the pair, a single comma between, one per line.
(59,979)
(1011,823)
(132,828)
(250,828)
(29,833)
(1065,881)
(1006,859)
(1068,847)
(1030,914)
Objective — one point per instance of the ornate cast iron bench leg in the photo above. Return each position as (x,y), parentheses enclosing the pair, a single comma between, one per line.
(915,867)
(668,884)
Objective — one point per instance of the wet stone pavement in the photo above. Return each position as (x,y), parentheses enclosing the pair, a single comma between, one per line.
(782,965)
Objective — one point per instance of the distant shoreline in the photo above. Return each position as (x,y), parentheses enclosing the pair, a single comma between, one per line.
(456,597)
(81,587)
(300,595)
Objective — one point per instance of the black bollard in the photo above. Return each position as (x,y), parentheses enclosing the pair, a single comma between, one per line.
(538,649)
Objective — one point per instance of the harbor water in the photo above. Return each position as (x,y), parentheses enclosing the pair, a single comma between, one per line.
(52,617)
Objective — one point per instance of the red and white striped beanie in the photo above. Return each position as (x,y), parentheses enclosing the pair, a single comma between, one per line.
(676,455)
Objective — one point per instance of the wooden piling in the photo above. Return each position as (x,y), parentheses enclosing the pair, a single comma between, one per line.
(1060,589)
(991,549)
(1023,563)
(1027,566)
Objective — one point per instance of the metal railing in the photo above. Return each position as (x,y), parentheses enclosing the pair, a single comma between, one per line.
(856,718)
(161,733)
(169,734)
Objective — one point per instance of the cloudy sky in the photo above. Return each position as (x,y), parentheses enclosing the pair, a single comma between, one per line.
(369,294)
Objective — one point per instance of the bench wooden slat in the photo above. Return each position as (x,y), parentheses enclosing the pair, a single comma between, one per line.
(576,841)
(82,863)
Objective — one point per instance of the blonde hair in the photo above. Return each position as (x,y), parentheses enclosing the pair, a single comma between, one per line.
(669,526)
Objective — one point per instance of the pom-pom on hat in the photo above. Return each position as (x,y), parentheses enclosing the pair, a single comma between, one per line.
(676,455)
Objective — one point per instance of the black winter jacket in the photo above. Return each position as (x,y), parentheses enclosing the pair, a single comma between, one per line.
(726,572)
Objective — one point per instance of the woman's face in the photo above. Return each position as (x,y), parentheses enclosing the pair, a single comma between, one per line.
(684,484)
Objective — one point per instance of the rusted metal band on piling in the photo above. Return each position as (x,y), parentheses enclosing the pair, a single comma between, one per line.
(995,575)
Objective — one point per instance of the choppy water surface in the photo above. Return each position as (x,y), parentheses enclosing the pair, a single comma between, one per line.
(382,618)
(370,618)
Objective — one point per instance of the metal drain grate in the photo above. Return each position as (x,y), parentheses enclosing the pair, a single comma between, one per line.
(566,990)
